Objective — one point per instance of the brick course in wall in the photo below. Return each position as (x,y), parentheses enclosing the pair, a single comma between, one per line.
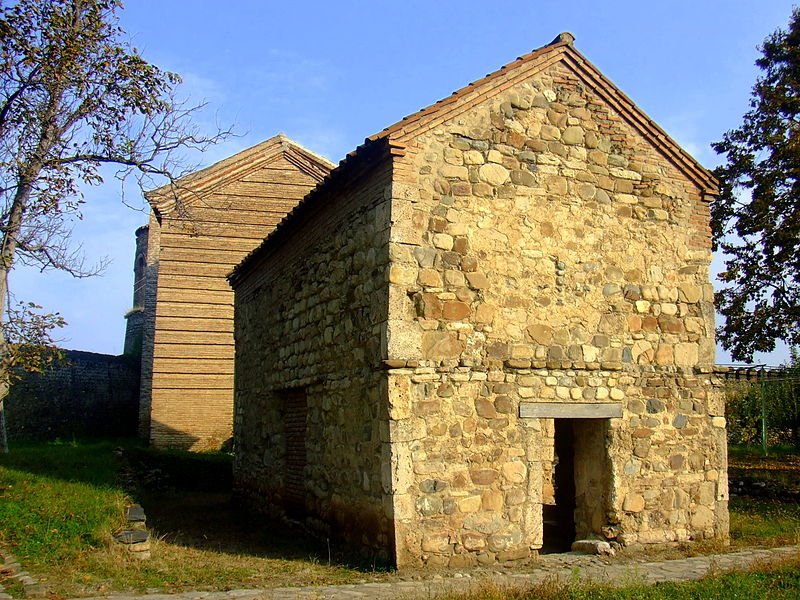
(198,232)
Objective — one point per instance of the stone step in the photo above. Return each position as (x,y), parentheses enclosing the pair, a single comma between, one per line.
(135,514)
(132,536)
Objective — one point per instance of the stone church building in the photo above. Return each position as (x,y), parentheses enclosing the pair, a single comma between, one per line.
(490,331)
(183,306)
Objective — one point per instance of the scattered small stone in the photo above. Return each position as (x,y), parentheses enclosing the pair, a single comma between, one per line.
(35,590)
(598,547)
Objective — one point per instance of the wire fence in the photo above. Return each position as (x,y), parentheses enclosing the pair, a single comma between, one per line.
(763,405)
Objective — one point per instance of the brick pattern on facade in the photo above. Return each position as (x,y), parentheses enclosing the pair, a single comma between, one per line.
(222,213)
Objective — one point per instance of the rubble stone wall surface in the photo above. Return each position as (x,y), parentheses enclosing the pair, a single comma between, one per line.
(87,394)
(310,323)
(150,294)
(544,251)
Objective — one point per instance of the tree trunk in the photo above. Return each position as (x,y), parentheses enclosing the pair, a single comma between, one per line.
(3,434)
(4,356)
(4,362)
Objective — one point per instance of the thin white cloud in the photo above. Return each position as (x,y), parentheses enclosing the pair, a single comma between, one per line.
(685,129)
(202,89)
(329,142)
(281,77)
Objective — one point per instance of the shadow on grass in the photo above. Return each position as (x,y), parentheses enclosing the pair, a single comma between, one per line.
(775,476)
(188,501)
(89,461)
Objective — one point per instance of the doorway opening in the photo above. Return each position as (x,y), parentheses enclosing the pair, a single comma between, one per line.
(295,416)
(580,482)
(559,518)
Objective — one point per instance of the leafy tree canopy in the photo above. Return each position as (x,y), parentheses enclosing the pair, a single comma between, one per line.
(756,218)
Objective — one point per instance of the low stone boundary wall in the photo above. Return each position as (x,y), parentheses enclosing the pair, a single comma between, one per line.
(11,570)
(88,394)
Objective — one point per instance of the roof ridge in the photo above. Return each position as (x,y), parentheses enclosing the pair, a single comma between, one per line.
(560,49)
(240,164)
(643,123)
(562,40)
(307,203)
(298,146)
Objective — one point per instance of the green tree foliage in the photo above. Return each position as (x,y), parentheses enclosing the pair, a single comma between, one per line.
(756,219)
(74,96)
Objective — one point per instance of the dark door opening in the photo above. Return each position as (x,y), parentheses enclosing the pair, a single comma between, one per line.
(580,480)
(559,518)
(295,415)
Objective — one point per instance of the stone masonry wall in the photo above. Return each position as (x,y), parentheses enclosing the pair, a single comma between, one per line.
(543,251)
(88,394)
(310,322)
(149,325)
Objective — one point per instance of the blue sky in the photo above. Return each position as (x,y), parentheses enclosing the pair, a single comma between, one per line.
(329,74)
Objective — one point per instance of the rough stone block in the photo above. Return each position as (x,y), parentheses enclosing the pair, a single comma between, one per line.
(633,503)
(470,504)
(493,174)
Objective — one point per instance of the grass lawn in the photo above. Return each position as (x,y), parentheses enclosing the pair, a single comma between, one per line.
(60,503)
(779,582)
(772,516)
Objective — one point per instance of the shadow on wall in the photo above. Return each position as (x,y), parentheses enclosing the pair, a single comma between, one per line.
(165,437)
(86,395)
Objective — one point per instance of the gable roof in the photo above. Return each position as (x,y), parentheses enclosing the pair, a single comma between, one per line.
(205,181)
(561,49)
(395,137)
